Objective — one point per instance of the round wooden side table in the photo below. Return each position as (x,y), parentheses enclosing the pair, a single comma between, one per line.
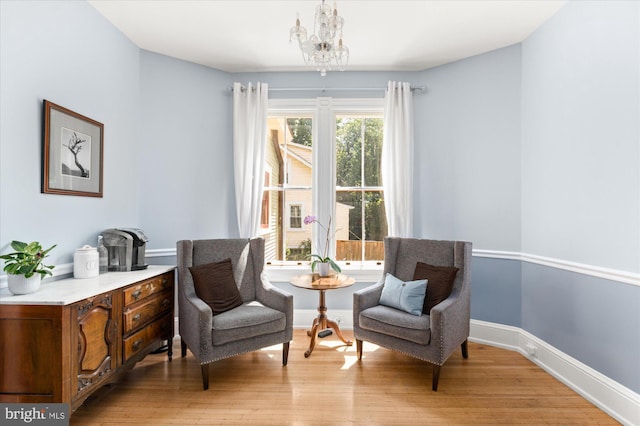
(322,284)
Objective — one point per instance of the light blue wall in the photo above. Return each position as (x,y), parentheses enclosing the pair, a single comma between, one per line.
(185,175)
(67,53)
(467,129)
(496,295)
(580,149)
(593,320)
(581,183)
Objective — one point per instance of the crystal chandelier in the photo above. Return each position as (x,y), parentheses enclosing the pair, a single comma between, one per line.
(321,49)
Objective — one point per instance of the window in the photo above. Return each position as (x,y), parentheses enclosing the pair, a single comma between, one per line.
(324,155)
(295,216)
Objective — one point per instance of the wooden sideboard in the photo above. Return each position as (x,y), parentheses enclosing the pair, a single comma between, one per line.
(73,336)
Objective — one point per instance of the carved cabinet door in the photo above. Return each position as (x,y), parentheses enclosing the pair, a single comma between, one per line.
(96,340)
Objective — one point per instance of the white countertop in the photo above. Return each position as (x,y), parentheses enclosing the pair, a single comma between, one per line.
(71,290)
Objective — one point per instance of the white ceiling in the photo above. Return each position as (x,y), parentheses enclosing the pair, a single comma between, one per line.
(400,35)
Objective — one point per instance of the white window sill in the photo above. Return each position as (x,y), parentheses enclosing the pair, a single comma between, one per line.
(369,272)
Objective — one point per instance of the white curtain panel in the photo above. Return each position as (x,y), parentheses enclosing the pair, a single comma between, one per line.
(250,106)
(397,159)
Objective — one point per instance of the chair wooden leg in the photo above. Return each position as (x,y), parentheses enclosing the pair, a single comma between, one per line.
(465,350)
(359,349)
(205,376)
(183,348)
(436,376)
(285,353)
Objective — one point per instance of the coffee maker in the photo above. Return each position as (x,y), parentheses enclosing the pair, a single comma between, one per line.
(125,248)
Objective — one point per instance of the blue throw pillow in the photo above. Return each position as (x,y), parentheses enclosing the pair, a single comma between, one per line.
(406,296)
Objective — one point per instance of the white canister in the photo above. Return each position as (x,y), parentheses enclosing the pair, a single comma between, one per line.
(85,262)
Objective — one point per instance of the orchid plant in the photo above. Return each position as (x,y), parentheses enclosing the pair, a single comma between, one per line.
(324,258)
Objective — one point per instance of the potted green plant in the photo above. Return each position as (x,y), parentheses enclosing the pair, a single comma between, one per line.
(24,266)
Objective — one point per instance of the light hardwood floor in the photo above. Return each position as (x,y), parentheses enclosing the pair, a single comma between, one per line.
(494,386)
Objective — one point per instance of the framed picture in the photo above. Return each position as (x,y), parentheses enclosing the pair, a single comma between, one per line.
(72,151)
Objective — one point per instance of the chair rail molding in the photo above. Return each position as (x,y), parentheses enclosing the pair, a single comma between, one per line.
(284,273)
(581,268)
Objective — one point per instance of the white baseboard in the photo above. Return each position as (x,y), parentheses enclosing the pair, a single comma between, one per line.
(610,396)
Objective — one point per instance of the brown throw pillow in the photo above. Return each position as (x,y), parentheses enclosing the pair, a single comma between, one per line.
(215,285)
(439,283)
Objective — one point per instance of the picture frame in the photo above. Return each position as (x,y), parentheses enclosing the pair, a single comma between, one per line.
(72,153)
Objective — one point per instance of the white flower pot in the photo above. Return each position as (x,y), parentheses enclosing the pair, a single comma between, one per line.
(18,284)
(323,269)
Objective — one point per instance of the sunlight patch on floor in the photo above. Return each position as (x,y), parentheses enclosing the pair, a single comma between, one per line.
(350,358)
(349,361)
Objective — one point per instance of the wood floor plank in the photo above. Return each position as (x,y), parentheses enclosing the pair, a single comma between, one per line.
(493,387)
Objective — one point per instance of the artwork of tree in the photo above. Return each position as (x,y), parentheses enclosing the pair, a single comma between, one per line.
(75,146)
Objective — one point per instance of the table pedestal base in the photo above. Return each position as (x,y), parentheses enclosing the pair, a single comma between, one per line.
(321,322)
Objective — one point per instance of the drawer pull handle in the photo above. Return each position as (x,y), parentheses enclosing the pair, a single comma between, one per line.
(136,317)
(136,345)
(136,294)
(165,303)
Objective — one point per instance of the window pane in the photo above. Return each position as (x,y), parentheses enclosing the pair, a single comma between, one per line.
(372,151)
(366,215)
(289,156)
(358,163)
(297,238)
(349,132)
(348,216)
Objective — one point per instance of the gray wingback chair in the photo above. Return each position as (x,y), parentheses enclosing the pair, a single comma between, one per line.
(435,335)
(265,317)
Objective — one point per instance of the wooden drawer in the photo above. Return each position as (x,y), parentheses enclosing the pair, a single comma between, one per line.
(147,288)
(143,312)
(155,331)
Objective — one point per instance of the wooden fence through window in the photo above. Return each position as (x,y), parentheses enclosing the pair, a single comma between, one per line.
(352,250)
